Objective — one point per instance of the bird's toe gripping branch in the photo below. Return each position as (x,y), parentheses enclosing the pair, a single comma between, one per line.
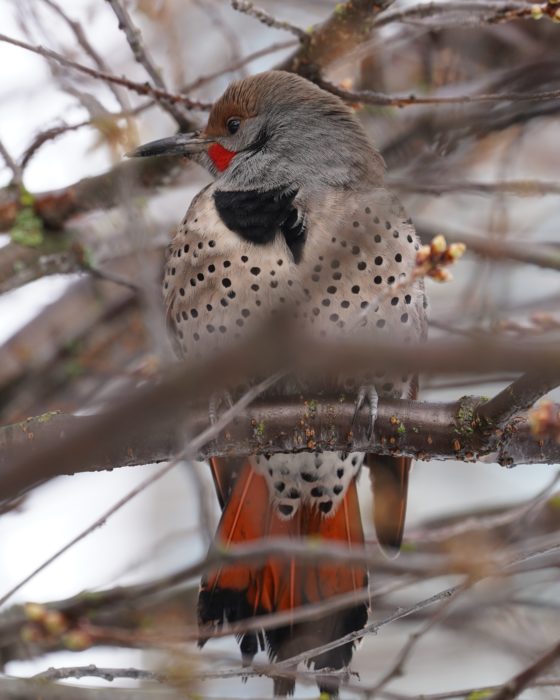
(366,394)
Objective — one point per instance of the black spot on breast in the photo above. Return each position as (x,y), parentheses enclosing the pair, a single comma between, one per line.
(362,265)
(226,282)
(407,298)
(378,260)
(398,258)
(340,473)
(325,507)
(345,304)
(394,301)
(255,271)
(279,486)
(309,477)
(378,279)
(285,509)
(380,323)
(317,491)
(355,289)
(337,489)
(293,493)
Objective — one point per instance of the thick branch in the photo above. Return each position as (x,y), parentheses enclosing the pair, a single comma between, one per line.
(99,192)
(37,448)
(348,27)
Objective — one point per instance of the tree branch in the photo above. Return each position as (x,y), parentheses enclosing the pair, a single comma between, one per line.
(268,20)
(40,448)
(140,88)
(348,26)
(142,56)
(518,683)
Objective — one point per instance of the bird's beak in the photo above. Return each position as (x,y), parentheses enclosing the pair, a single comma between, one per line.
(178,145)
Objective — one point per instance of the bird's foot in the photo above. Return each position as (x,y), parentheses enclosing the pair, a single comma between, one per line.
(219,399)
(366,393)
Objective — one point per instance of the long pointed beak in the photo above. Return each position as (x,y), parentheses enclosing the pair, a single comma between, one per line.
(178,145)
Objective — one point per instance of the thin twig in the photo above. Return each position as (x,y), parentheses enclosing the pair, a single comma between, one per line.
(516,685)
(93,671)
(267,19)
(140,88)
(381,99)
(86,45)
(188,453)
(517,188)
(142,56)
(11,164)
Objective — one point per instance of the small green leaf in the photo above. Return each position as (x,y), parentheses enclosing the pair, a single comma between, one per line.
(479,694)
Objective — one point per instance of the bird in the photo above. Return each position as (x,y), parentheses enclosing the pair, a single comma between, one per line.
(296,216)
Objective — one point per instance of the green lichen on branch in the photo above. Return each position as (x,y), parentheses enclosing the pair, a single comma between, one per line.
(28,229)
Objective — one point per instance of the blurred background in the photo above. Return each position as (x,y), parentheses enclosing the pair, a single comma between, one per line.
(74,336)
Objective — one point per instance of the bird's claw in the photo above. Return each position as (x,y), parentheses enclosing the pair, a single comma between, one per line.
(366,393)
(217,400)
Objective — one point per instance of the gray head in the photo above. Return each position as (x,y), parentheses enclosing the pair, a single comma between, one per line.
(275,129)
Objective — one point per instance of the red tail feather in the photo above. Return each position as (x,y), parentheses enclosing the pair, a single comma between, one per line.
(242,590)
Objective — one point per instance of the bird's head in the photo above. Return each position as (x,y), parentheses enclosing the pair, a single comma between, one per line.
(276,129)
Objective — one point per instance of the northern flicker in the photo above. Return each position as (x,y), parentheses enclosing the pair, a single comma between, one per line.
(297,216)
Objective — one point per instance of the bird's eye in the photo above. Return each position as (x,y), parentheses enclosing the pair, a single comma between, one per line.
(233,124)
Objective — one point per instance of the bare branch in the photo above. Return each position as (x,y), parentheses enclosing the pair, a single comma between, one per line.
(93,671)
(518,396)
(86,45)
(142,56)
(11,164)
(268,20)
(55,207)
(380,99)
(347,27)
(517,188)
(514,687)
(189,452)
(33,451)
(500,249)
(140,88)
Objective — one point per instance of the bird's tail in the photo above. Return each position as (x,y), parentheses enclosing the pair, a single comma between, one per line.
(280,584)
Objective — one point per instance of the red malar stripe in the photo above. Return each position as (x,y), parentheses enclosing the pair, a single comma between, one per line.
(220,156)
